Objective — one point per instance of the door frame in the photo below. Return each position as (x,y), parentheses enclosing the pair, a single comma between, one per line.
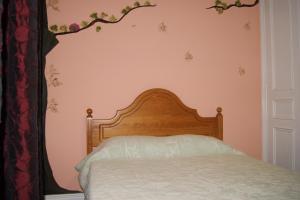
(264,75)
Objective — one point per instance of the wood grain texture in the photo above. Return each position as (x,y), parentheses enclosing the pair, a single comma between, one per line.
(155,112)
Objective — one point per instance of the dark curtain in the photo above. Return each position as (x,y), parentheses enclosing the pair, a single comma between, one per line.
(21,67)
(25,41)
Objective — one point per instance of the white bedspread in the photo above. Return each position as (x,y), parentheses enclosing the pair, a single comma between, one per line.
(213,177)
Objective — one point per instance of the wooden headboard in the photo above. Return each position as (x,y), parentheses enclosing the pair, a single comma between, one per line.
(155,112)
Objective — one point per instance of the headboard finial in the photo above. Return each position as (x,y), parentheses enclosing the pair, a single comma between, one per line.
(219,110)
(89,112)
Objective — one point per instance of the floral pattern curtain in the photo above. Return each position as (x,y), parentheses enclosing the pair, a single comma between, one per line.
(21,86)
(25,40)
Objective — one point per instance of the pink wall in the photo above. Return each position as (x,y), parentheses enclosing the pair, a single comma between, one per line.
(107,70)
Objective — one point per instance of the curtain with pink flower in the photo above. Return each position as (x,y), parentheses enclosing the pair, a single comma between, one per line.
(22,115)
(25,172)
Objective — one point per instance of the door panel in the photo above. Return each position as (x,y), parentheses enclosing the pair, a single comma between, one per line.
(283,156)
(280,55)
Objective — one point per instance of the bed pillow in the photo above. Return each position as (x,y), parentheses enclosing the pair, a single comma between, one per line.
(144,147)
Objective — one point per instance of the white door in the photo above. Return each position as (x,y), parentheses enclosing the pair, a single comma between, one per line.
(280,31)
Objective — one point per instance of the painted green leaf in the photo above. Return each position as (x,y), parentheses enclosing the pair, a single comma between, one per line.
(103,15)
(128,8)
(54,28)
(124,11)
(112,18)
(147,3)
(218,2)
(238,3)
(224,5)
(98,28)
(94,15)
(63,28)
(137,4)
(84,23)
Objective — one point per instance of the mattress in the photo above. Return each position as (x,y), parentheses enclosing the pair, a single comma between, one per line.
(211,177)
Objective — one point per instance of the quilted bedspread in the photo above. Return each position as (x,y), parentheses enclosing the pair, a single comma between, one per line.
(213,177)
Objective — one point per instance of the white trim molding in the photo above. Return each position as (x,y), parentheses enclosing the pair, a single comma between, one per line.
(75,196)
(264,88)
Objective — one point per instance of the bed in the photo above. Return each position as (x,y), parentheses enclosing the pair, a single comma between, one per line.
(158,148)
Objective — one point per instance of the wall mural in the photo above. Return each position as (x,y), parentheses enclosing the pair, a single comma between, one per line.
(94,19)
(52,73)
(52,77)
(241,71)
(247,26)
(188,56)
(51,186)
(162,27)
(53,4)
(220,5)
(52,105)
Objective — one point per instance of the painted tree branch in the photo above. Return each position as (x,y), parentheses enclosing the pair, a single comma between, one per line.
(221,6)
(101,20)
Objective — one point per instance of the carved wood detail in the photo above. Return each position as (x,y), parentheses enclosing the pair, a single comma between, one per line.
(155,112)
